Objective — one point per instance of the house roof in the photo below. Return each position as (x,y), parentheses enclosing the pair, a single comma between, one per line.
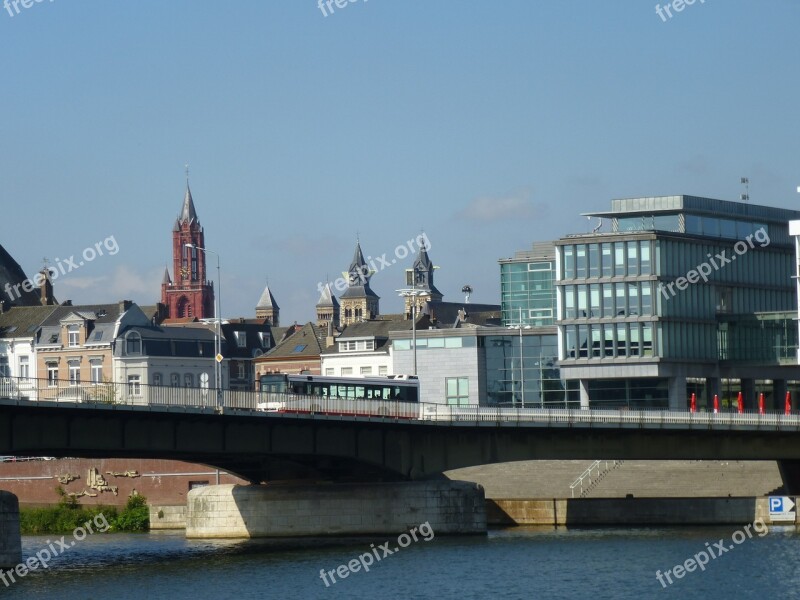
(23,321)
(102,318)
(306,343)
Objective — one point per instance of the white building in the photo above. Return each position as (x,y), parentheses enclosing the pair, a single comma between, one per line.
(18,330)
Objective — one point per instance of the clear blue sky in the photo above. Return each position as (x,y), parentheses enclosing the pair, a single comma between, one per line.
(488,124)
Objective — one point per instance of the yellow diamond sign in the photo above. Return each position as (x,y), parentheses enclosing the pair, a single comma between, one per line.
(219,358)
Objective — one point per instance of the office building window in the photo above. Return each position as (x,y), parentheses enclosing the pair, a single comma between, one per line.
(606,259)
(580,261)
(619,258)
(569,262)
(457,389)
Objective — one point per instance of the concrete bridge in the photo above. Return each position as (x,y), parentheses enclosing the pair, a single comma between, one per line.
(368,441)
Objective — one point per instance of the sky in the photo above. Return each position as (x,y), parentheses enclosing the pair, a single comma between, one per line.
(485,125)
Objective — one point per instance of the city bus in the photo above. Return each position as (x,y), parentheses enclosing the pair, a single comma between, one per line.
(396,388)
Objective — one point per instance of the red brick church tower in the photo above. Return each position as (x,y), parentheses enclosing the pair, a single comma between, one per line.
(190,294)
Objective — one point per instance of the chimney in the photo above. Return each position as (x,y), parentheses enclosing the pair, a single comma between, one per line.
(124,305)
(46,288)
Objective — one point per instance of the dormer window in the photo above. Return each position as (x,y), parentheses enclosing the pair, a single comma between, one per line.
(241,338)
(73,333)
(133,343)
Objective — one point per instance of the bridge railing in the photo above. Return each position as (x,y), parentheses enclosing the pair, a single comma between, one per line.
(133,393)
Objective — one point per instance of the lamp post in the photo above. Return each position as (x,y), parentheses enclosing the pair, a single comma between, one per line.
(413,293)
(218,325)
(520,326)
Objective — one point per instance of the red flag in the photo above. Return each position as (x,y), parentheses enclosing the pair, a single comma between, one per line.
(716,403)
(693,403)
(740,403)
(788,409)
(761,403)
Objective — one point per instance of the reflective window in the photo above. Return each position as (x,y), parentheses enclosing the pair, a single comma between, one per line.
(693,224)
(619,258)
(594,260)
(569,262)
(646,298)
(606,259)
(633,299)
(580,261)
(633,258)
(667,223)
(569,302)
(582,301)
(645,266)
(608,300)
(727,228)
(594,300)
(620,308)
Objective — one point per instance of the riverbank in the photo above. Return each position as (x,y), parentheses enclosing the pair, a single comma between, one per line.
(68,515)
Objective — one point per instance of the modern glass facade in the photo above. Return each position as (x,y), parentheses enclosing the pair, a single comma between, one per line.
(666,293)
(532,381)
(527,287)
(489,359)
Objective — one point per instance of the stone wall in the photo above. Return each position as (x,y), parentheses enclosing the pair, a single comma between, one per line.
(235,511)
(10,539)
(167,517)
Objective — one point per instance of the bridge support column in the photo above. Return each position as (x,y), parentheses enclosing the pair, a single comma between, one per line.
(584,387)
(10,539)
(240,511)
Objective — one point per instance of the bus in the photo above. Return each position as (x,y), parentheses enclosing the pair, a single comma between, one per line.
(393,388)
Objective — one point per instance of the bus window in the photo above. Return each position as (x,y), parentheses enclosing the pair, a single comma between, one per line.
(359,391)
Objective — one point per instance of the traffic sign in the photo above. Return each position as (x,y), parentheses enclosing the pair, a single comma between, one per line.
(219,358)
(781,508)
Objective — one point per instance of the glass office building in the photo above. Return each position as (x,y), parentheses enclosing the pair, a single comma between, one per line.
(643,308)
(489,366)
(527,287)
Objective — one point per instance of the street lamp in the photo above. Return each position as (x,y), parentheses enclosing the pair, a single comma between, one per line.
(520,326)
(413,293)
(218,326)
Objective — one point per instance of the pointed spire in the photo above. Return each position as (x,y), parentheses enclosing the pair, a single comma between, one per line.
(423,261)
(166,279)
(267,300)
(359,272)
(188,212)
(326,298)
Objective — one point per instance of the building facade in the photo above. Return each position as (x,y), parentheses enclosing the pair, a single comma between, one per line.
(188,293)
(642,309)
(528,286)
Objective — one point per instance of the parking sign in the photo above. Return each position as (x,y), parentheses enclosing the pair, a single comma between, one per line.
(781,508)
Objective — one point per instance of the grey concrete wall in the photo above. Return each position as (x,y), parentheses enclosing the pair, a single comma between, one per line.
(10,539)
(167,517)
(234,511)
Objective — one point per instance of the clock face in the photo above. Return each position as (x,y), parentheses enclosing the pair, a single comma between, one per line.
(184,272)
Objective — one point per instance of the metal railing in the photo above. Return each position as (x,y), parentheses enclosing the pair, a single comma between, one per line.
(110,395)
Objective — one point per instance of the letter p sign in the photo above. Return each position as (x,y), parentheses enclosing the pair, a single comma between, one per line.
(776,505)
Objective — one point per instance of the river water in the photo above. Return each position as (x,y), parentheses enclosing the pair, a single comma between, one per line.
(508,563)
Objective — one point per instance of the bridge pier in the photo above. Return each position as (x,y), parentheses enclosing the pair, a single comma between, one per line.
(10,539)
(295,510)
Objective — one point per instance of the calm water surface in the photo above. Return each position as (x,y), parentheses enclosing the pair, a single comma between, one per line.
(510,563)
